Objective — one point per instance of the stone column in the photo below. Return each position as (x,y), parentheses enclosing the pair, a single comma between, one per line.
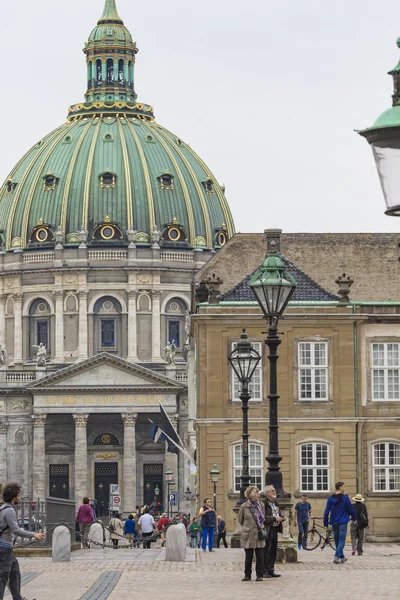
(83,333)
(17,328)
(132,326)
(129,473)
(2,319)
(156,327)
(39,456)
(81,483)
(59,337)
(3,450)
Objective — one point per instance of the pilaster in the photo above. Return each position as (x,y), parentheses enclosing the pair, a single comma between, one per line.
(129,467)
(83,332)
(39,456)
(81,469)
(3,450)
(156,327)
(132,326)
(17,328)
(59,333)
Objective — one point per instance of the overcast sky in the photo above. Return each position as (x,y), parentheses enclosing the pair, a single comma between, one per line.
(267,92)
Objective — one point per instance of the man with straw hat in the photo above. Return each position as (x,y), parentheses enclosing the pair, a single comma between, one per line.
(357,530)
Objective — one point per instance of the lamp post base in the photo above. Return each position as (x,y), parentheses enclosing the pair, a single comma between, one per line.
(287,548)
(236,538)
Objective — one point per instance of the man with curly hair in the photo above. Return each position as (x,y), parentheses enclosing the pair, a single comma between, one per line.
(9,529)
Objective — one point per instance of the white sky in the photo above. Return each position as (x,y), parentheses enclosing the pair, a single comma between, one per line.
(267,92)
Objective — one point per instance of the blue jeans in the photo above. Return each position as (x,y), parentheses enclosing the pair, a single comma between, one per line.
(207,532)
(303,530)
(9,574)
(339,533)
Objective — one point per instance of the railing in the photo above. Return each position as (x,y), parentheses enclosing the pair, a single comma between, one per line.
(20,376)
(177,256)
(38,257)
(107,254)
(181,376)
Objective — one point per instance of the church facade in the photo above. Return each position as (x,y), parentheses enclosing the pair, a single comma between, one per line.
(103,226)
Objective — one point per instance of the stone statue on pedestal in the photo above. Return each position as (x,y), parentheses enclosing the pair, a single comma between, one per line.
(41,355)
(170,350)
(3,356)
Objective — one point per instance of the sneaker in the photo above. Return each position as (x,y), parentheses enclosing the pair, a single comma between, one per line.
(353,552)
(343,560)
(299,547)
(246,578)
(337,561)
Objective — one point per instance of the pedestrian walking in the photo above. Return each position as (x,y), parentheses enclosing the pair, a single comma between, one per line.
(130,530)
(9,529)
(302,514)
(338,512)
(357,530)
(147,526)
(162,522)
(251,517)
(85,519)
(116,529)
(208,523)
(273,524)
(221,526)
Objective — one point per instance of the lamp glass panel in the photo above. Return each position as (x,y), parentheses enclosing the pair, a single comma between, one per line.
(387,160)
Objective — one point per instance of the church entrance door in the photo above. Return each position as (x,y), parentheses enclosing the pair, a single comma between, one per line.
(105,474)
(153,480)
(59,481)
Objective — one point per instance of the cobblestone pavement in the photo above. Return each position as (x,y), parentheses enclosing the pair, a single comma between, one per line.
(122,574)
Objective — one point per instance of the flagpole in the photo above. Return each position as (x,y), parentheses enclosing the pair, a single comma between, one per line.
(175,444)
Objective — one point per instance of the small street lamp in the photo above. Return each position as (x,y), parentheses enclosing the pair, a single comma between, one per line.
(214,474)
(244,360)
(273,287)
(188,494)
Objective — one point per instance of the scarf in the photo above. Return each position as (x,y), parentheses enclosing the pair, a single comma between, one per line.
(257,511)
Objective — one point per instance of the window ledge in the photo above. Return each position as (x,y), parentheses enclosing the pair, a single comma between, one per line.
(298,494)
(382,494)
(233,495)
(313,402)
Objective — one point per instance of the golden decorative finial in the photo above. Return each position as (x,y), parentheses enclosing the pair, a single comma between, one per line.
(223,226)
(175,220)
(107,219)
(40,222)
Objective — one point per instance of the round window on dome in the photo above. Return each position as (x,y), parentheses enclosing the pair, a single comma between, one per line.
(174,234)
(107,232)
(221,239)
(42,234)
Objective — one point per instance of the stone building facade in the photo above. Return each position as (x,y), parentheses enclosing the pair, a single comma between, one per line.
(339,406)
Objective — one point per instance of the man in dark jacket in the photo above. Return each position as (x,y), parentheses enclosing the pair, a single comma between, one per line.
(9,529)
(273,524)
(338,512)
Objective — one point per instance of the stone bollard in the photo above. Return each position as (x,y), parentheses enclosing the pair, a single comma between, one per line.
(96,534)
(176,543)
(61,549)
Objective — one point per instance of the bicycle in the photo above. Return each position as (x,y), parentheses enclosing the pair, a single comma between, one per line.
(315,537)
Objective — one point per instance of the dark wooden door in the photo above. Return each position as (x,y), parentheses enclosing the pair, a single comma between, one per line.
(104,475)
(59,481)
(152,478)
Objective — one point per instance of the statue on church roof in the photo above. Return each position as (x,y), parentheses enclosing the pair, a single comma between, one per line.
(41,355)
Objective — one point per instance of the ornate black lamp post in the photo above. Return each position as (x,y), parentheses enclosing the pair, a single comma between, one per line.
(273,287)
(214,474)
(244,360)
(169,478)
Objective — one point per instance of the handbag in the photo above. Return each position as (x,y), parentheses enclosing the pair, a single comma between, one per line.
(262,532)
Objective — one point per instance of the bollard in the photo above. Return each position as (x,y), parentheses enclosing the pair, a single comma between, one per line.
(176,543)
(96,534)
(61,548)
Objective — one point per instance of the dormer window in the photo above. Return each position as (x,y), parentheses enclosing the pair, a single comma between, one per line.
(10,185)
(49,182)
(166,181)
(209,186)
(107,180)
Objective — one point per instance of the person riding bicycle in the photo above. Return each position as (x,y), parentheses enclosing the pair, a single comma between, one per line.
(338,512)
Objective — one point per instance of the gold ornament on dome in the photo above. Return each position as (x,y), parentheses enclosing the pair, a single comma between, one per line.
(106,439)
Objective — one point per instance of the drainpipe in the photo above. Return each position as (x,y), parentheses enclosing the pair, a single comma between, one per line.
(355,383)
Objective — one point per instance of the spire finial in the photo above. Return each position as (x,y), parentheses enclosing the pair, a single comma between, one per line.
(110,13)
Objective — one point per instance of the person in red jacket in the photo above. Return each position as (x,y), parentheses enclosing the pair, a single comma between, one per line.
(85,519)
(162,522)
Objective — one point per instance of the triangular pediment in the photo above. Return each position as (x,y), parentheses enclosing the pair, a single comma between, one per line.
(106,371)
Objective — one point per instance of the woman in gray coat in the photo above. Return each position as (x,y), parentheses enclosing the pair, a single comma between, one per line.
(251,517)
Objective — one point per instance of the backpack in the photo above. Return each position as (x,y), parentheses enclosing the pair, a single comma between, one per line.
(362,520)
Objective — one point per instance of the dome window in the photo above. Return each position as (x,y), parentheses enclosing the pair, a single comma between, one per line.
(166,181)
(209,186)
(107,231)
(108,180)
(41,234)
(49,182)
(221,236)
(150,139)
(68,139)
(173,233)
(10,186)
(108,137)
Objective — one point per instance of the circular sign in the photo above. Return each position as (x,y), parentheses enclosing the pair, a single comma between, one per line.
(117,500)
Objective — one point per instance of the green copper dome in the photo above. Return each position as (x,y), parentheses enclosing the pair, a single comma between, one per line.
(112,162)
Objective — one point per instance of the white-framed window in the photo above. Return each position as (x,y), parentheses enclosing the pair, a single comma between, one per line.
(314,467)
(385,371)
(313,370)
(255,387)
(255,465)
(386,467)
